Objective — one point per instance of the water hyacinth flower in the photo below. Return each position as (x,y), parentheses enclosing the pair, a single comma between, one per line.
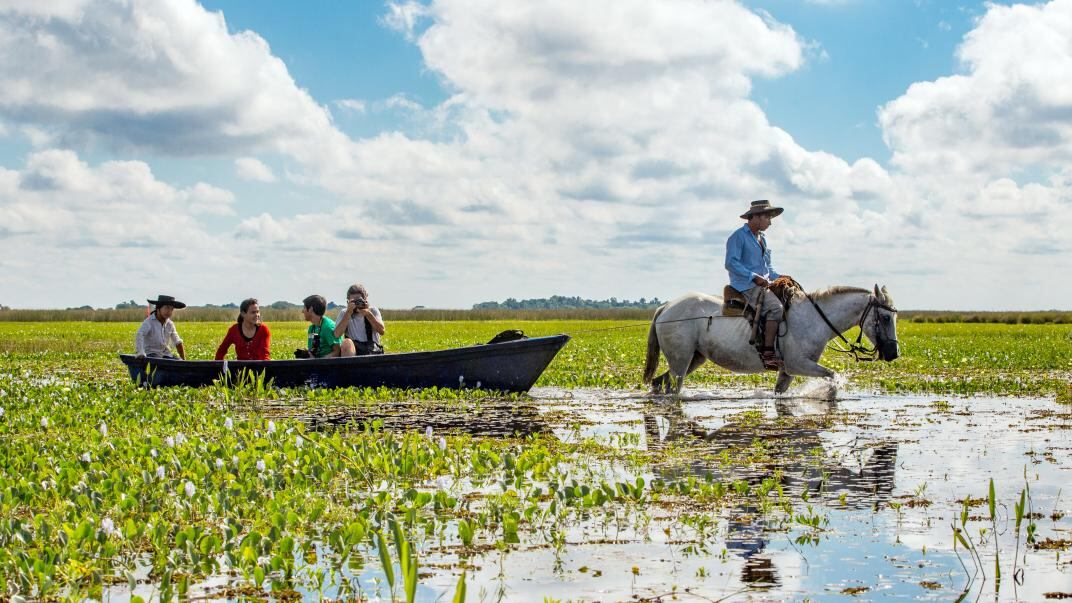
(85,457)
(1,411)
(169,441)
(428,432)
(271,426)
(298,442)
(160,472)
(260,465)
(180,439)
(442,482)
(234,459)
(153,452)
(219,463)
(104,429)
(228,423)
(108,526)
(442,443)
(189,488)
(44,421)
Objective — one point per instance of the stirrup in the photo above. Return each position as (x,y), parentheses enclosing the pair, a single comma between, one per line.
(771,362)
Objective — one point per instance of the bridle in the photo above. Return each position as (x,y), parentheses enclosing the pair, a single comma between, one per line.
(857,349)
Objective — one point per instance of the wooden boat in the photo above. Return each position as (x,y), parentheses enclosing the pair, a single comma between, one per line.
(512,366)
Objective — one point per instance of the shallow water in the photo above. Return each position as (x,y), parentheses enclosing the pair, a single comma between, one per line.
(873,486)
(886,476)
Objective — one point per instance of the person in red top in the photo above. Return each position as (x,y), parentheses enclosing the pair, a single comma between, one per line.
(250,338)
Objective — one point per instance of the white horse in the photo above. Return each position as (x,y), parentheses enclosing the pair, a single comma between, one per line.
(691,329)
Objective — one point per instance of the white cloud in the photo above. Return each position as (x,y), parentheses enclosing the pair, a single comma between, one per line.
(352,105)
(142,74)
(585,149)
(250,168)
(1010,109)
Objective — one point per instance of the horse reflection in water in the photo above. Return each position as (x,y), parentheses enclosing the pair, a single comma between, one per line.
(867,483)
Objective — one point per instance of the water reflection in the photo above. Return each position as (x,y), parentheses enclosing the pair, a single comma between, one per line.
(793,452)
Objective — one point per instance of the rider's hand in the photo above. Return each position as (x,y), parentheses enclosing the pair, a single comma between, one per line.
(761,281)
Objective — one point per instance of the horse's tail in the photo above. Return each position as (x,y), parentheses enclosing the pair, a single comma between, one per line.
(652,360)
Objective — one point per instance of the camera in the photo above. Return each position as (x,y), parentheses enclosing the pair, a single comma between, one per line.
(360,303)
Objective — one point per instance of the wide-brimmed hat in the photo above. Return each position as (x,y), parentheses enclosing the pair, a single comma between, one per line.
(166,300)
(762,207)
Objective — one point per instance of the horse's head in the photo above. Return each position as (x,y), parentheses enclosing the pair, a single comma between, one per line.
(880,324)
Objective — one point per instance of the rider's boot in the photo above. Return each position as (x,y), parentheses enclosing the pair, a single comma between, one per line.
(771,361)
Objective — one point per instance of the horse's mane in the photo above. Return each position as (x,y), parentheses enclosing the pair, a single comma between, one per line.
(829,291)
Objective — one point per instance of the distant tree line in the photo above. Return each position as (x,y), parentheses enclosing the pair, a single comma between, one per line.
(560,302)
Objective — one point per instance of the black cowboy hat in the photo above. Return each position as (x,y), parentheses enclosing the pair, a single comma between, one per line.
(762,207)
(166,300)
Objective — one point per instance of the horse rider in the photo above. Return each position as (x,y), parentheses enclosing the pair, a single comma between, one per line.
(748,260)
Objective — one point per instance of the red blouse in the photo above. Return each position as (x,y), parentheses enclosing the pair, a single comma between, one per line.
(246,349)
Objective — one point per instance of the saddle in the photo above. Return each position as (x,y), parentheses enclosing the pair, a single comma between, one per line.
(734,304)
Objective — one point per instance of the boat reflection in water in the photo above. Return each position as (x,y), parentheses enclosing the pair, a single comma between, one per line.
(797,450)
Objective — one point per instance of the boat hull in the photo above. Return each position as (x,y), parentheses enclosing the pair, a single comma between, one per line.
(511,366)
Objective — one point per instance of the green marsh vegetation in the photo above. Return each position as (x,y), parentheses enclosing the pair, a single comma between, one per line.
(104,485)
(959,358)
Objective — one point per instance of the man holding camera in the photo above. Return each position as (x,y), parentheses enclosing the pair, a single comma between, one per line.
(361,323)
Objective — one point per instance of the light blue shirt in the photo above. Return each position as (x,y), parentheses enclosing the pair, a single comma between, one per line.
(745,259)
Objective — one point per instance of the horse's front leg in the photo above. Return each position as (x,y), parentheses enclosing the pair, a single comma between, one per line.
(784,379)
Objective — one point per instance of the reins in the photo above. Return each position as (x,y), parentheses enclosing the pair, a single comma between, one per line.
(856,349)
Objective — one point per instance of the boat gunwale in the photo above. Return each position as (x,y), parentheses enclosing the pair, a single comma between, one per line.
(508,348)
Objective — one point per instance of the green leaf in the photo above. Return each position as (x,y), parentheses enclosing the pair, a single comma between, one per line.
(459,593)
(385,559)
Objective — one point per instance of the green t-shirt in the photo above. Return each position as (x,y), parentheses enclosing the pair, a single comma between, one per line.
(327,337)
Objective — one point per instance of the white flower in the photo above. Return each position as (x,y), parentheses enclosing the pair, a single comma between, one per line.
(160,472)
(219,463)
(170,441)
(1,409)
(44,421)
(152,452)
(428,432)
(234,459)
(260,465)
(442,482)
(104,429)
(478,385)
(180,439)
(85,457)
(228,423)
(2,393)
(189,488)
(442,443)
(271,426)
(298,441)
(108,526)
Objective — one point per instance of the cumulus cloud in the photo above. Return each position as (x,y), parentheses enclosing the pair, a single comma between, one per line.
(1009,110)
(162,76)
(250,168)
(66,201)
(580,143)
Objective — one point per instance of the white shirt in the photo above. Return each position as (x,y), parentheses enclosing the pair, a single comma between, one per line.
(156,338)
(355,329)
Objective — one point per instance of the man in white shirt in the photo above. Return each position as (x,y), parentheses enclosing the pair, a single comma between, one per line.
(157,333)
(361,323)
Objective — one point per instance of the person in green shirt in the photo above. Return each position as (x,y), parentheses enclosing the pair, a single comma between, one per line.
(322,340)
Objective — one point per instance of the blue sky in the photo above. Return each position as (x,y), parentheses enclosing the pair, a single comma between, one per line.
(447,152)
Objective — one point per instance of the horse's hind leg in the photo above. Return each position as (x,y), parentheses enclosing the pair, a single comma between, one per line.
(680,366)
